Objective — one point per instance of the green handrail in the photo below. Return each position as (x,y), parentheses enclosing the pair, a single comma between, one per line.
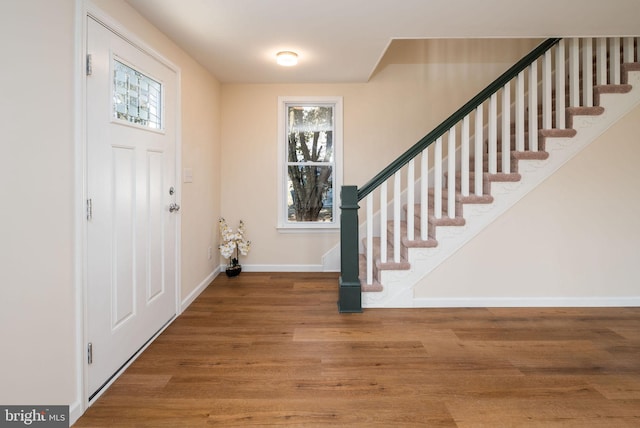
(456,117)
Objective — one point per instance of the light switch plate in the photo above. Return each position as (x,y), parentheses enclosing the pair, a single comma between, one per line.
(187,175)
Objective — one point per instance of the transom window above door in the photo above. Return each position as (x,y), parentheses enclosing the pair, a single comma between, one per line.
(137,98)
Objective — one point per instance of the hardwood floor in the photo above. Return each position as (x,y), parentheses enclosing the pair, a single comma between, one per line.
(272,349)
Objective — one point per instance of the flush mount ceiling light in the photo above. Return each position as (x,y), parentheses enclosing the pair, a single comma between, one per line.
(287,58)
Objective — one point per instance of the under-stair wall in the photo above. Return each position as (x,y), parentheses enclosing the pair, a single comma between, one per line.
(572,241)
(393,270)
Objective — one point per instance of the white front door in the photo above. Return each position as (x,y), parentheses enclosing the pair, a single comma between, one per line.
(131,186)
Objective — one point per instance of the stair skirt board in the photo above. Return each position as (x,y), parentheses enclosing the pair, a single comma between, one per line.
(398,285)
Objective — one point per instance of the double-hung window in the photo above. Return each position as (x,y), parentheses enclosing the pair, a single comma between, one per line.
(310,164)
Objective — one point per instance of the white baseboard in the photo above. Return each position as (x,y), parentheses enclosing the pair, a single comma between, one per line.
(523,302)
(75,411)
(279,268)
(199,289)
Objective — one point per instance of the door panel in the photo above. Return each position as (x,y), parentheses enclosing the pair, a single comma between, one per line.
(123,245)
(131,236)
(155,247)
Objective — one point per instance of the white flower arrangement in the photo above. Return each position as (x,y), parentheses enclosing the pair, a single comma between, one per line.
(233,241)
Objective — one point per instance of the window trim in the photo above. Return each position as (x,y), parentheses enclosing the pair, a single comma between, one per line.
(284,225)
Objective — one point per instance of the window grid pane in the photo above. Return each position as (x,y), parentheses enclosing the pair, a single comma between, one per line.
(310,163)
(137,98)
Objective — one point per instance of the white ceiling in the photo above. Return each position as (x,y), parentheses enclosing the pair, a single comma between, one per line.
(343,40)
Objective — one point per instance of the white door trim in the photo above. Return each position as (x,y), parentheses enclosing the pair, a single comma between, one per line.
(84,9)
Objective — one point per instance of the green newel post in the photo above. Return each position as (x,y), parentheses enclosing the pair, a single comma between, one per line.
(350,299)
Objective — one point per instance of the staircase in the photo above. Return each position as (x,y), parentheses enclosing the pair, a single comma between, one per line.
(478,163)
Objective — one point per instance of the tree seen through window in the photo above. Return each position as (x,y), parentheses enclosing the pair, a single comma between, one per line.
(310,163)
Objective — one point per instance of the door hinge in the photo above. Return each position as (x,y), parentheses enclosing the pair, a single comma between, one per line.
(89,209)
(89,65)
(90,353)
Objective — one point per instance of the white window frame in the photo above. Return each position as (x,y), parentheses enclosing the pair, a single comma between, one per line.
(284,225)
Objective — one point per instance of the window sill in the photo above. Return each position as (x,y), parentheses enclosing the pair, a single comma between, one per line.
(331,228)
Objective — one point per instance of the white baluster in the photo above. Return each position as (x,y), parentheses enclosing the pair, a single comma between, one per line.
(615,61)
(506,128)
(410,200)
(396,216)
(587,72)
(560,86)
(464,157)
(424,198)
(451,184)
(547,92)
(574,73)
(369,221)
(384,205)
(533,106)
(493,134)
(628,49)
(520,112)
(601,61)
(437,179)
(478,151)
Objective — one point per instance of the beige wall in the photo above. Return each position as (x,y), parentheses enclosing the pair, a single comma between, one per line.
(37,330)
(39,361)
(416,86)
(576,235)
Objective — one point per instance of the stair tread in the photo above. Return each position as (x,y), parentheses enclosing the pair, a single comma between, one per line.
(447,221)
(419,243)
(388,265)
(529,155)
(582,111)
(585,111)
(375,286)
(403,264)
(626,68)
(416,231)
(458,219)
(476,199)
(599,90)
(516,155)
(500,176)
(417,213)
(471,199)
(544,133)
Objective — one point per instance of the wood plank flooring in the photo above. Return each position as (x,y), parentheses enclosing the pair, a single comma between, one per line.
(272,350)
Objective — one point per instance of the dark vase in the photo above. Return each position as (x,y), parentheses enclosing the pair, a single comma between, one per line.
(234,270)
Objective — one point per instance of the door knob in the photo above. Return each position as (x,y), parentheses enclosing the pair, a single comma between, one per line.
(174,207)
